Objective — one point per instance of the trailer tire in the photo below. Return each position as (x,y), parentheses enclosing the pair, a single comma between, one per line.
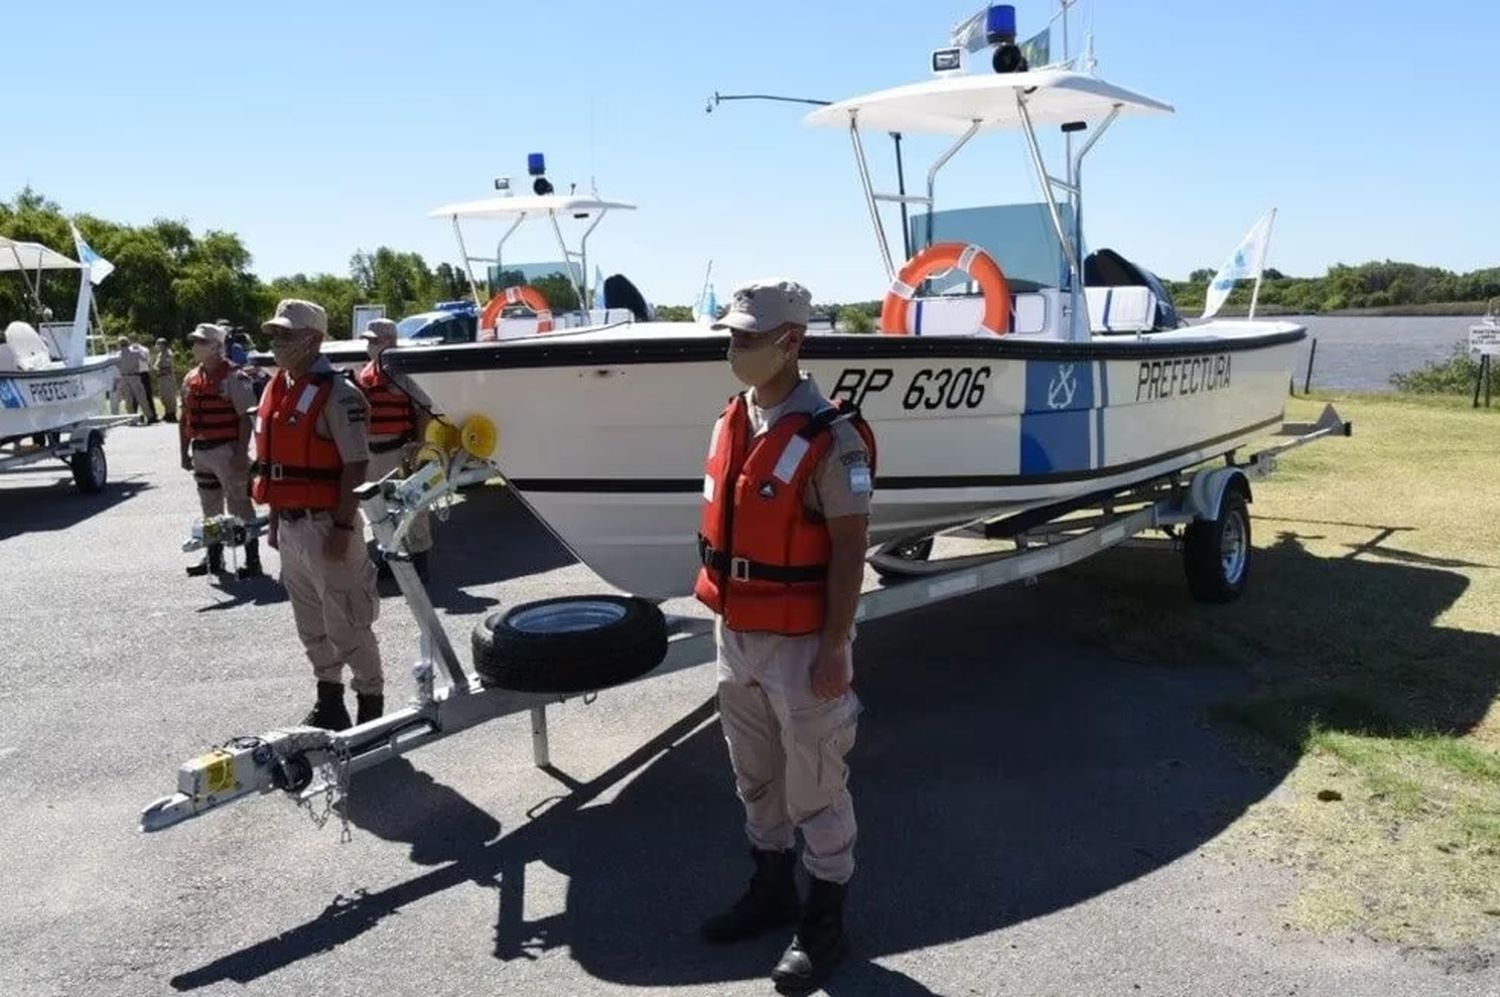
(1216,552)
(571,644)
(90,468)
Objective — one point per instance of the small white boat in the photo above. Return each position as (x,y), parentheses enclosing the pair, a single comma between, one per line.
(1084,391)
(46,380)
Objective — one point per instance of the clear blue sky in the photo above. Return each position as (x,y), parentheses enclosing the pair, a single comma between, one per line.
(315,129)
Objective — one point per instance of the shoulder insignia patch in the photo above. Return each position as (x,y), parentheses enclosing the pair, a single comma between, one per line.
(854,458)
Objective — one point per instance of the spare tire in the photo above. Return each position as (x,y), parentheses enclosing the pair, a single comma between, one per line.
(571,644)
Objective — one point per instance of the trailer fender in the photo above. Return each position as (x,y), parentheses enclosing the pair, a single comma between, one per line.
(1207,490)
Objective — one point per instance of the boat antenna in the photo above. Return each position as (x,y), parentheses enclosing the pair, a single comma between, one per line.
(707,276)
(719,98)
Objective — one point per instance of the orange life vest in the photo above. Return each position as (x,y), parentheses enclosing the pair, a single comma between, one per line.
(296,467)
(391,410)
(208,415)
(765,556)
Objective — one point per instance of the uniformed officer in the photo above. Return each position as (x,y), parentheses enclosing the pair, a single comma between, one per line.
(166,379)
(396,426)
(311,450)
(787,490)
(214,439)
(131,364)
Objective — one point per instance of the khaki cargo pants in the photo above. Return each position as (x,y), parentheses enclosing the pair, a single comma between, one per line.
(166,387)
(221,482)
(419,537)
(333,601)
(788,748)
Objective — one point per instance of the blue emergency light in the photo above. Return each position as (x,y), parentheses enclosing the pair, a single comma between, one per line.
(536,163)
(1000,23)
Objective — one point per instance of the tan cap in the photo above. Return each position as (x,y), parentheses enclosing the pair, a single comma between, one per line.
(764,305)
(294,313)
(381,330)
(207,332)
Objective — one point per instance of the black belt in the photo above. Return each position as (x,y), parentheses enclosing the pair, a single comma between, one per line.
(211,444)
(282,472)
(744,569)
(292,515)
(390,445)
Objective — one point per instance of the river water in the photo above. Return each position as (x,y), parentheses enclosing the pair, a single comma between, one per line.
(1358,353)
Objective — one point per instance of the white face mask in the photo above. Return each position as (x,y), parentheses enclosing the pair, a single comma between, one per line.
(374,348)
(294,353)
(203,351)
(757,365)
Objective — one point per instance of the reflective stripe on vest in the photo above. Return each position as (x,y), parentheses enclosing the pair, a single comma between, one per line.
(209,416)
(391,410)
(295,467)
(765,557)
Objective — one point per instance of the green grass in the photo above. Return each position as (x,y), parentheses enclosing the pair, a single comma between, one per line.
(1371,634)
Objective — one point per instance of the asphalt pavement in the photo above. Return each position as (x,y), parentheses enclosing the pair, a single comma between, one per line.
(1033,814)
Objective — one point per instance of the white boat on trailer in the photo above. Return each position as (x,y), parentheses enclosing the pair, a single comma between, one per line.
(51,392)
(602,430)
(1054,500)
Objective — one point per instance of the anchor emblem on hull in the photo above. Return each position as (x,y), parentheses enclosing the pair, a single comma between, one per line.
(1063,388)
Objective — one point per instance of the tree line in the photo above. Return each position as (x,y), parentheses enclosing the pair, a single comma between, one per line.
(1374,285)
(167,278)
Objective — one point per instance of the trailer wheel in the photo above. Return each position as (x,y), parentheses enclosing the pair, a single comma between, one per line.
(1216,552)
(90,468)
(572,644)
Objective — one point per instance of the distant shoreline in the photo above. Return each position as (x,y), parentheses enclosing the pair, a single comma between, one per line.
(1440,309)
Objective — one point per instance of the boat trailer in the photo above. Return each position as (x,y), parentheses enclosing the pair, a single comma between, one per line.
(312,765)
(78,445)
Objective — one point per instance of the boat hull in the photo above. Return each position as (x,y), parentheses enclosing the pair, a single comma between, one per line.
(606,443)
(39,401)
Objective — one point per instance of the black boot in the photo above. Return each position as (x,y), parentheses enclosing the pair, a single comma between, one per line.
(251,568)
(369,707)
(769,902)
(330,712)
(212,561)
(419,561)
(819,944)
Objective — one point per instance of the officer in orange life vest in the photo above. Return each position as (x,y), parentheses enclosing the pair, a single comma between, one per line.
(396,426)
(786,489)
(311,450)
(214,440)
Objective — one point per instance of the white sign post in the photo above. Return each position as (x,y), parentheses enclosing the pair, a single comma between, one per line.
(363,316)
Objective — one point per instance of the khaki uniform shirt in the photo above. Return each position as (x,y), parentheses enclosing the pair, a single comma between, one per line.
(345,418)
(841,484)
(133,359)
(162,362)
(237,387)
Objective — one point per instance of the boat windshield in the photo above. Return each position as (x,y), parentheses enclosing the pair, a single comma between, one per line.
(1019,236)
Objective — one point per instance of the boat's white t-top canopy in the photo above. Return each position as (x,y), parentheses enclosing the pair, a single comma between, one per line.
(953,105)
(531,204)
(518,209)
(32,256)
(963,105)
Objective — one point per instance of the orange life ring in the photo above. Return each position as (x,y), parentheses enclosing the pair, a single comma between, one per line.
(524,294)
(972,260)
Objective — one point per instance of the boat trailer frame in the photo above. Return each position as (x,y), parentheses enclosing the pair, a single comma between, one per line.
(308,763)
(62,444)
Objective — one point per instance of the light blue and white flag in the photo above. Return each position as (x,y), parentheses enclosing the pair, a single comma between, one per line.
(1246,262)
(970,34)
(99,267)
(708,306)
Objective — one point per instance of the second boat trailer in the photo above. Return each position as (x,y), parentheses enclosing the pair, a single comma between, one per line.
(1204,512)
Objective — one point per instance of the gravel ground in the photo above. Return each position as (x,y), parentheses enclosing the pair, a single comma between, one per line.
(1033,813)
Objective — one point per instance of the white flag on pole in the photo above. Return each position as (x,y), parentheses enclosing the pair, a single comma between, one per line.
(99,267)
(1247,262)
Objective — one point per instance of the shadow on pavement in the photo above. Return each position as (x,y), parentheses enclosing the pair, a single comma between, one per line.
(1004,771)
(59,504)
(488,538)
